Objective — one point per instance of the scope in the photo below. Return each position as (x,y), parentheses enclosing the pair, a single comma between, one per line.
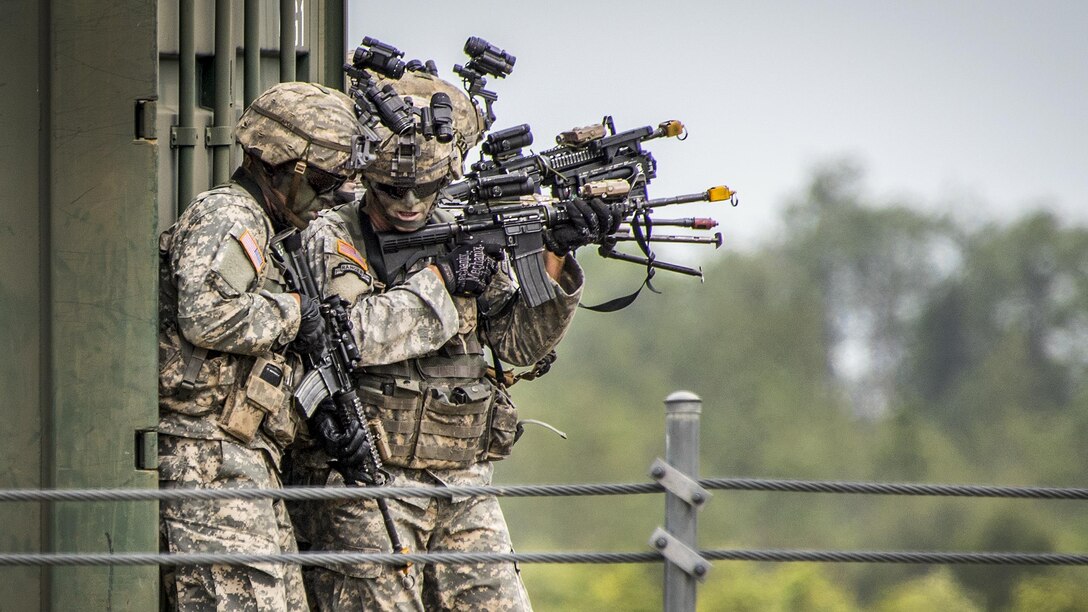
(508,140)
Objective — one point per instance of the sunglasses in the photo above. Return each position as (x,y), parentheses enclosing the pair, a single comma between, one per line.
(324,182)
(423,190)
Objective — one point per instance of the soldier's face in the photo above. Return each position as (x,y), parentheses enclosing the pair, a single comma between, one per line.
(315,190)
(399,208)
(306,203)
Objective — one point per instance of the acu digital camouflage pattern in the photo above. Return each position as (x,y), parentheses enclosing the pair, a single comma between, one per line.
(397,328)
(418,316)
(221,303)
(218,291)
(433,525)
(225,526)
(303,121)
(214,289)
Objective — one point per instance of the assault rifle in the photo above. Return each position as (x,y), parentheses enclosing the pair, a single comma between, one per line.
(584,155)
(328,375)
(589,162)
(518,227)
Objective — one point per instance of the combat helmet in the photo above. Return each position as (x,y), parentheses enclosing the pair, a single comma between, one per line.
(301,121)
(415,156)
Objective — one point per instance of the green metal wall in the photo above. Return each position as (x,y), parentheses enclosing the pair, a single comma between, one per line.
(88,94)
(78,291)
(23,366)
(320,54)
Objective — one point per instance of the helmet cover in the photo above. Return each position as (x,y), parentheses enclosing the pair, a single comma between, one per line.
(304,121)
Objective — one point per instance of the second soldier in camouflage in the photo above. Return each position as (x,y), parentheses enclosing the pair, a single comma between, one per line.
(424,379)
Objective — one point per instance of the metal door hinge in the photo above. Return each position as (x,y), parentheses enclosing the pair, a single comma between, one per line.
(145,119)
(147,449)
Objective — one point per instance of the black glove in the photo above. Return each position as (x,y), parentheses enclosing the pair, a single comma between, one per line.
(310,327)
(588,222)
(344,442)
(469,268)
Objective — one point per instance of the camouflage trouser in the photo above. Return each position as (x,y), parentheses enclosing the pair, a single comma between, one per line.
(224,526)
(430,525)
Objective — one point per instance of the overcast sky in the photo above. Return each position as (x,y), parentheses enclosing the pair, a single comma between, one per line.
(977,103)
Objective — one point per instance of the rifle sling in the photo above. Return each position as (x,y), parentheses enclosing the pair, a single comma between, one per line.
(373,250)
(617,303)
(194,357)
(643,240)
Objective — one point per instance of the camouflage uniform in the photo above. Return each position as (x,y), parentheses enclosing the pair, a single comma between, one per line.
(411,327)
(225,382)
(216,258)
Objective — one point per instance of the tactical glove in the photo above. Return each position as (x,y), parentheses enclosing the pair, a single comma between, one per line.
(310,327)
(468,269)
(346,443)
(588,222)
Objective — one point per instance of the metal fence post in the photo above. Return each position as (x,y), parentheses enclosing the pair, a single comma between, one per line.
(682,412)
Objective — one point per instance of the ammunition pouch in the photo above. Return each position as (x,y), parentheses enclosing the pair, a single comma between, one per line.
(502,427)
(262,402)
(448,418)
(199,383)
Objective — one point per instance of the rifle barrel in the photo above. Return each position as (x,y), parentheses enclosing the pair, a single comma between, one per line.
(714,194)
(699,223)
(716,239)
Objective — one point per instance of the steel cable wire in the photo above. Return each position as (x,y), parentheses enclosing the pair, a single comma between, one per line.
(319,558)
(558,490)
(323,493)
(877,488)
(739,484)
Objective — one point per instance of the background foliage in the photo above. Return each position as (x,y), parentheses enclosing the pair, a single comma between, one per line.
(871,342)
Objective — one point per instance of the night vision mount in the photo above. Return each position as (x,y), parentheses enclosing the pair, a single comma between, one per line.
(484,59)
(435,120)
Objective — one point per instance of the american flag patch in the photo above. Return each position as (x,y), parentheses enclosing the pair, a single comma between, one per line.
(349,251)
(253,251)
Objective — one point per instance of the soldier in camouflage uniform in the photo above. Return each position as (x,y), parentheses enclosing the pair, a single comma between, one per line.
(225,323)
(441,421)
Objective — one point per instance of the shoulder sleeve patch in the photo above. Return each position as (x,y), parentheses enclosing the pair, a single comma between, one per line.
(350,268)
(345,249)
(252,249)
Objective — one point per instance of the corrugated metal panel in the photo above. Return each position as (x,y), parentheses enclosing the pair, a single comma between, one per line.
(22,298)
(90,178)
(102,270)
